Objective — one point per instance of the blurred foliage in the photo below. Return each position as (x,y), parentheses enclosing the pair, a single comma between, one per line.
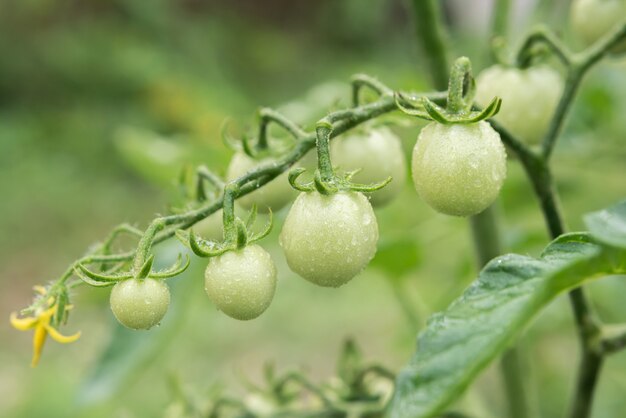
(102,103)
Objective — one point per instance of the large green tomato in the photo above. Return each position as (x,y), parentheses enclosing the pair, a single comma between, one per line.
(378,153)
(529,98)
(140,303)
(591,19)
(275,194)
(241,283)
(329,239)
(459,169)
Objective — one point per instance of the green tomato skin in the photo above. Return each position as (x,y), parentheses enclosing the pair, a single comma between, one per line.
(241,283)
(529,98)
(275,194)
(459,169)
(592,19)
(329,239)
(378,153)
(140,303)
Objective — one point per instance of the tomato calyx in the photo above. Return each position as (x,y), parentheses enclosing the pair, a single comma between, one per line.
(145,271)
(460,100)
(237,233)
(335,184)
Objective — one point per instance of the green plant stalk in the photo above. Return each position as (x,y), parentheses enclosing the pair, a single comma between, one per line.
(432,39)
(487,243)
(500,18)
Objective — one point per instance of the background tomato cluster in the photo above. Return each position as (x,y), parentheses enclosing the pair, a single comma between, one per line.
(103,102)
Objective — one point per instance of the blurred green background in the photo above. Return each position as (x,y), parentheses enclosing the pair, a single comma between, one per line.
(103,102)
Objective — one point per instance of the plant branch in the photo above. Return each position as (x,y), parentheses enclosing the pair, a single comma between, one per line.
(431,36)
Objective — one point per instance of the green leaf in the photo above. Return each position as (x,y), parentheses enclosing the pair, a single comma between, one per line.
(397,258)
(460,342)
(609,225)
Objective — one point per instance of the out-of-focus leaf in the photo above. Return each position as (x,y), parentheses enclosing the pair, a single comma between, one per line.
(609,225)
(397,258)
(510,291)
(157,159)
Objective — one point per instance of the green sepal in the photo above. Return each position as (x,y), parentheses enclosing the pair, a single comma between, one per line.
(248,148)
(97,279)
(368,188)
(268,228)
(229,141)
(410,111)
(62,300)
(323,187)
(293,176)
(177,268)
(146,268)
(251,216)
(242,234)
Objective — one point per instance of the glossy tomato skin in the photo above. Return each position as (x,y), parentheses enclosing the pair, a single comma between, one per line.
(378,153)
(459,169)
(329,239)
(529,98)
(140,303)
(275,194)
(592,19)
(241,283)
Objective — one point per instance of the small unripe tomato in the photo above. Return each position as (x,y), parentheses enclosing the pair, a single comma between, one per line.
(459,169)
(378,153)
(529,98)
(329,239)
(241,283)
(140,303)
(275,194)
(591,19)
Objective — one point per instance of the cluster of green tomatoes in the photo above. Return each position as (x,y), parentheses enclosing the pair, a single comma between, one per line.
(458,167)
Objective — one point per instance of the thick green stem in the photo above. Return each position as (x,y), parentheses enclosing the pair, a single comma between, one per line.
(500,18)
(587,380)
(430,35)
(324,164)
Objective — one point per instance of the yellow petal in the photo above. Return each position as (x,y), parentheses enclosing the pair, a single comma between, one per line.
(47,314)
(62,338)
(40,289)
(23,324)
(39,340)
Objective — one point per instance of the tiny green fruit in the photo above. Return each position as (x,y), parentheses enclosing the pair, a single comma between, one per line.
(273,195)
(329,239)
(140,303)
(459,169)
(592,19)
(241,283)
(529,98)
(378,154)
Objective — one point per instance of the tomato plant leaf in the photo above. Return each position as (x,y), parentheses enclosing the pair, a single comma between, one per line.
(397,258)
(609,225)
(510,291)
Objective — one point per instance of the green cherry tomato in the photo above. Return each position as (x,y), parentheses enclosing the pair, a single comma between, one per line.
(591,19)
(329,239)
(241,283)
(275,194)
(459,169)
(140,303)
(529,98)
(378,153)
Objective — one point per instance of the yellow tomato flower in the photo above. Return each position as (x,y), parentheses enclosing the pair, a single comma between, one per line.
(40,322)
